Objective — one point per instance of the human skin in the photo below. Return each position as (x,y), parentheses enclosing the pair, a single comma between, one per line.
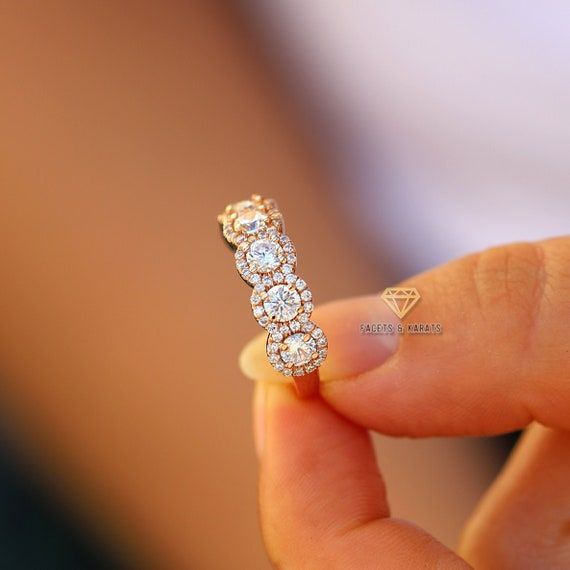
(501,364)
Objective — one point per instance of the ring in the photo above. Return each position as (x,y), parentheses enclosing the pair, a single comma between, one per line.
(281,301)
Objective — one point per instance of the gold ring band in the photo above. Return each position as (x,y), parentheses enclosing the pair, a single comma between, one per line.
(281,301)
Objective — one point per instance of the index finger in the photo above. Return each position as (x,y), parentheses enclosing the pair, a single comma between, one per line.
(322,499)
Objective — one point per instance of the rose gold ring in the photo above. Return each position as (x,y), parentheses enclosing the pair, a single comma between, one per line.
(281,301)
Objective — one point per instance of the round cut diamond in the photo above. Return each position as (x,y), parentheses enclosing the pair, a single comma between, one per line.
(282,303)
(265,254)
(299,351)
(249,217)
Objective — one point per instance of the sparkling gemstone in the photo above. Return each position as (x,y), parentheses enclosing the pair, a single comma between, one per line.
(290,278)
(249,218)
(295,326)
(265,254)
(282,303)
(299,351)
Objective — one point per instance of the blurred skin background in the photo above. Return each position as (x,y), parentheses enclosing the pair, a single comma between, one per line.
(126,128)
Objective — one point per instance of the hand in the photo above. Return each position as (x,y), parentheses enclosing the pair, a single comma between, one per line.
(501,363)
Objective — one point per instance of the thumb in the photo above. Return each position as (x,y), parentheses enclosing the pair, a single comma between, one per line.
(501,359)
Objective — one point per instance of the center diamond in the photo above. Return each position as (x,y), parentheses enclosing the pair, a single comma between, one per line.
(249,218)
(299,351)
(265,254)
(282,303)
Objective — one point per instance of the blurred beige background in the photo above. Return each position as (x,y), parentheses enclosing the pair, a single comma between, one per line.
(126,127)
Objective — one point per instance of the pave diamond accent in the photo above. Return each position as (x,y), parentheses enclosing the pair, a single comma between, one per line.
(282,303)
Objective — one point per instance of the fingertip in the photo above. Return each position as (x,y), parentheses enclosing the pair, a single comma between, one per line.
(253,361)
(361,335)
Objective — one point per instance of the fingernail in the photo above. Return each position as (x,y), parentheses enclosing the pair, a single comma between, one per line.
(259,398)
(362,333)
(253,360)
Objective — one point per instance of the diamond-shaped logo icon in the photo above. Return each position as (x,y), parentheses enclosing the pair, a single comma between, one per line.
(401,299)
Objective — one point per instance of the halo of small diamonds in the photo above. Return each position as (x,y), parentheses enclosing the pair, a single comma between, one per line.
(296,353)
(281,301)
(265,254)
(287,301)
(250,217)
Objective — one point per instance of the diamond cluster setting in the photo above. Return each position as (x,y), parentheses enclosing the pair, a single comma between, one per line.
(281,301)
